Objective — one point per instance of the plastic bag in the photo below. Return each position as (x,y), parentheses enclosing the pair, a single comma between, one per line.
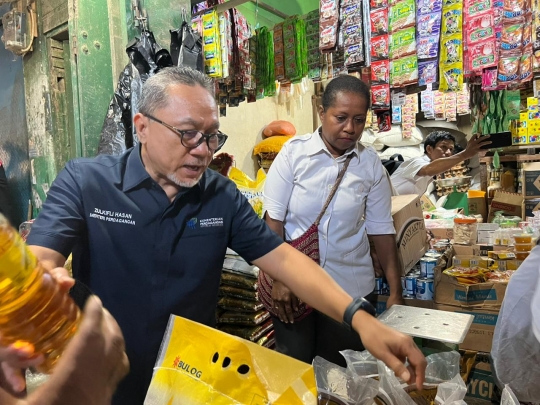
(390,389)
(201,365)
(251,189)
(338,385)
(508,397)
(442,367)
(451,392)
(361,363)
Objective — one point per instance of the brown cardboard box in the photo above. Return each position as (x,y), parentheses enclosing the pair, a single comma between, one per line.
(411,302)
(529,206)
(531,179)
(426,203)
(477,206)
(411,234)
(442,233)
(480,382)
(509,203)
(484,295)
(462,250)
(480,335)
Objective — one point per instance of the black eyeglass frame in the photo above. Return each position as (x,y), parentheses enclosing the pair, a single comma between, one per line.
(222,138)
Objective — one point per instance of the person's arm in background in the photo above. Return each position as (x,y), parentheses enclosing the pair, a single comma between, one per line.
(89,370)
(6,207)
(277,192)
(380,228)
(441,165)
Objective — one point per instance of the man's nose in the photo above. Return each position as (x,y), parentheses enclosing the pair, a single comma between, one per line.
(201,151)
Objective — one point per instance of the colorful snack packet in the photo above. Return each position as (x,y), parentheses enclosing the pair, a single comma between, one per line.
(396,114)
(451,77)
(378,3)
(475,7)
(449,3)
(379,47)
(482,55)
(429,6)
(352,35)
(514,8)
(526,66)
(451,49)
(427,72)
(380,72)
(508,71)
(404,71)
(402,43)
(380,96)
(401,15)
(428,24)
(480,28)
(512,35)
(428,47)
(354,54)
(452,20)
(379,21)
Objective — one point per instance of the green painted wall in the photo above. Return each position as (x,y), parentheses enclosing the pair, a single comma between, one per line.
(289,7)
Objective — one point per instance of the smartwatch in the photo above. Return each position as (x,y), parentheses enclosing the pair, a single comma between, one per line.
(357,304)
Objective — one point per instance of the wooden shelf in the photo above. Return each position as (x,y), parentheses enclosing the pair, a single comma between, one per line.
(512,158)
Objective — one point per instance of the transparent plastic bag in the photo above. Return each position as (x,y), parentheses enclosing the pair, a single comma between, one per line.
(508,397)
(451,392)
(442,367)
(337,385)
(390,389)
(361,363)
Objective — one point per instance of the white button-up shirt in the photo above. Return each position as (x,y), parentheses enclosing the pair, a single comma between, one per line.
(296,188)
(406,180)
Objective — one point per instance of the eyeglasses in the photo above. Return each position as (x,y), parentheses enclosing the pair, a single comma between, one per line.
(191,138)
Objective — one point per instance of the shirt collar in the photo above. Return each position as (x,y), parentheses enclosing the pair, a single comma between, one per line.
(317,145)
(137,174)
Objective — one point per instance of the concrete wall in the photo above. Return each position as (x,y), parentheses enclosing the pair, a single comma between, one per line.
(244,124)
(13,133)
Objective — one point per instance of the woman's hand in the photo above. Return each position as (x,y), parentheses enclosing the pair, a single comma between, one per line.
(285,302)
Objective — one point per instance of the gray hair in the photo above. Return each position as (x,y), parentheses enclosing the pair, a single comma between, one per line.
(154,92)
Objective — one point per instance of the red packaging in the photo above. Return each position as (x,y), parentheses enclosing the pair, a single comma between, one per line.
(384,121)
(379,21)
(379,47)
(380,72)
(380,96)
(378,3)
(482,55)
(480,28)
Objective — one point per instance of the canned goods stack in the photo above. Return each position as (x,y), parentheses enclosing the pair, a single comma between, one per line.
(419,282)
(381,286)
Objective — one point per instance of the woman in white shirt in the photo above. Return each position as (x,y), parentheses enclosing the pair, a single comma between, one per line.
(297,186)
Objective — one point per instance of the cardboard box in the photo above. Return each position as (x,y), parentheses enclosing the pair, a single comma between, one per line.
(483,295)
(478,206)
(480,335)
(462,250)
(426,203)
(411,234)
(529,206)
(481,383)
(509,203)
(411,302)
(531,179)
(442,233)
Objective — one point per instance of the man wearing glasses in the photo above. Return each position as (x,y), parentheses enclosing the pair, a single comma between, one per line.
(149,230)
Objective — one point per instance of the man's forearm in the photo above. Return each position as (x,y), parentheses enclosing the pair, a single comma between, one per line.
(441,165)
(385,245)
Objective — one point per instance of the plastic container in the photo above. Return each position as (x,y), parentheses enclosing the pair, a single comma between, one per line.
(519,247)
(522,255)
(523,238)
(33,313)
(465,230)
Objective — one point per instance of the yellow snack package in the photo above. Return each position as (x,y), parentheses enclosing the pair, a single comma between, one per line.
(199,365)
(452,20)
(251,189)
(452,49)
(451,77)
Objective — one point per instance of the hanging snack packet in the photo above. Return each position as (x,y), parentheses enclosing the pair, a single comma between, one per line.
(451,77)
(451,49)
(380,96)
(512,34)
(351,15)
(379,47)
(429,6)
(354,54)
(508,69)
(378,3)
(401,15)
(514,8)
(489,79)
(527,31)
(452,20)
(427,72)
(380,72)
(384,121)
(482,55)
(525,66)
(352,35)
(475,7)
(428,24)
(428,47)
(480,28)
(396,114)
(328,24)
(403,71)
(402,43)
(379,21)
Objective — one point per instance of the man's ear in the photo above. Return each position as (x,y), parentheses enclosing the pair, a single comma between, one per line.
(141,125)
(429,150)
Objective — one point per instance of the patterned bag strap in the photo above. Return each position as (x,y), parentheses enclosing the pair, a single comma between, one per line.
(334,189)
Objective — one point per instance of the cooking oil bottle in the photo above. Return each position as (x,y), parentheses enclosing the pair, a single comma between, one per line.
(33,312)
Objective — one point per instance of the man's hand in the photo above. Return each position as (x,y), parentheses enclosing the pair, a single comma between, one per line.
(285,302)
(391,347)
(14,359)
(474,145)
(395,299)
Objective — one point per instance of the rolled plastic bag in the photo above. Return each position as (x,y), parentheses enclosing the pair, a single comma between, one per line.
(337,385)
(452,392)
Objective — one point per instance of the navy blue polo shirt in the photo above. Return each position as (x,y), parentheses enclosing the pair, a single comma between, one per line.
(145,257)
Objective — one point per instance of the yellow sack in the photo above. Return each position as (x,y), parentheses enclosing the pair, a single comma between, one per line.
(251,189)
(199,365)
(271,145)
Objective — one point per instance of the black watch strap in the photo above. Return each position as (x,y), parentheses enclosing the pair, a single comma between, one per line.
(357,304)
